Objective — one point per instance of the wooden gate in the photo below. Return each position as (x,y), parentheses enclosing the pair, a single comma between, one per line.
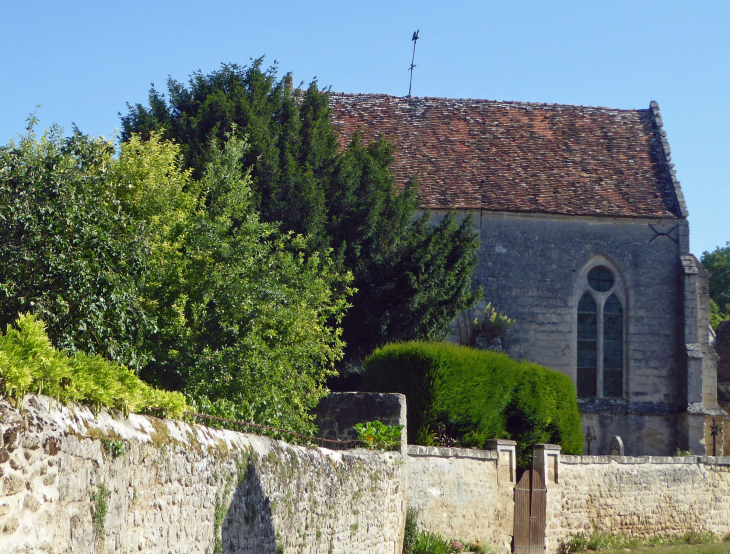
(530,514)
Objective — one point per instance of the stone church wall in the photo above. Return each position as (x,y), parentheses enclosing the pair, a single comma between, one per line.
(529,269)
(71,481)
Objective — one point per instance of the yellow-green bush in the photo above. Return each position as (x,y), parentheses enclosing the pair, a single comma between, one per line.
(479,394)
(29,363)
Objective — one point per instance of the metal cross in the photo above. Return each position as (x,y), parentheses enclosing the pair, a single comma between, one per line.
(590,437)
(714,430)
(414,39)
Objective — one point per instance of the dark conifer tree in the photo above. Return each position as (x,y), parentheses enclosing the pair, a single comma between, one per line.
(412,278)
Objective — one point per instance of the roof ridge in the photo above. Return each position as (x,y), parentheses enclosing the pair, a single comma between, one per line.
(489,101)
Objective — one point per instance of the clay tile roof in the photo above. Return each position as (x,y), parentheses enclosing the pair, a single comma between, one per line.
(523,157)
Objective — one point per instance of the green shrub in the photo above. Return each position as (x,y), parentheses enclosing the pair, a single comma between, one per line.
(378,436)
(29,363)
(480,394)
(430,543)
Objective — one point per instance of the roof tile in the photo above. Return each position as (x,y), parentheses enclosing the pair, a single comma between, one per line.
(524,157)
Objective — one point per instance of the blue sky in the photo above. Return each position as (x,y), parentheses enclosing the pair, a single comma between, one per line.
(82,61)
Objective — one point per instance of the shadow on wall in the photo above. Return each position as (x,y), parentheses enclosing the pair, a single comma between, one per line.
(246,526)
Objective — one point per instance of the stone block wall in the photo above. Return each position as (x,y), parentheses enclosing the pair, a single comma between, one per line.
(75,481)
(638,496)
(468,494)
(464,494)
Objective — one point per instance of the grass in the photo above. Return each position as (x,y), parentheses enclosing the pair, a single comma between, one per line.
(418,541)
(607,543)
(714,548)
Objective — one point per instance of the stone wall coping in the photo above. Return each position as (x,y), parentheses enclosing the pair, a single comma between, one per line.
(546,447)
(366,394)
(500,442)
(633,460)
(418,451)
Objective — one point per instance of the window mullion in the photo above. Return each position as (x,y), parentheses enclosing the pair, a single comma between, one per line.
(599,348)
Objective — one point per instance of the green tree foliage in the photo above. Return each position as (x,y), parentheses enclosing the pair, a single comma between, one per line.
(129,257)
(478,395)
(70,252)
(249,320)
(718,264)
(411,278)
(29,363)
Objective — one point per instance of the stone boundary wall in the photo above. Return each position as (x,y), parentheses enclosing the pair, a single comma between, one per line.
(464,494)
(469,494)
(638,496)
(72,481)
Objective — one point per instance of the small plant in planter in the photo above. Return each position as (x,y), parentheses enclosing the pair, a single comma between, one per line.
(376,435)
(489,326)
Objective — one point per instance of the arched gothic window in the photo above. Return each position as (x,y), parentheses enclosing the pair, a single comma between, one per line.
(587,346)
(600,363)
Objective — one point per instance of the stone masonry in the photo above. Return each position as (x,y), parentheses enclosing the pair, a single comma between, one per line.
(533,269)
(639,496)
(464,494)
(72,481)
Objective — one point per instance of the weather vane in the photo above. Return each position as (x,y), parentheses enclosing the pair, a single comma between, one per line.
(414,39)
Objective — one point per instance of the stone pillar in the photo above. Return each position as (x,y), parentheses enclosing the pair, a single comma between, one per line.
(506,459)
(701,384)
(546,460)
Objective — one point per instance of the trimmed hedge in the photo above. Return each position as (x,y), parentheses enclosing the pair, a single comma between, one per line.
(29,363)
(480,394)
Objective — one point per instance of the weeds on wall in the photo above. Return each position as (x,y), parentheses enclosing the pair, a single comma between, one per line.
(98,517)
(29,363)
(113,448)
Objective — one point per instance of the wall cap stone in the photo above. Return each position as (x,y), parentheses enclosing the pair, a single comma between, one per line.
(500,442)
(635,460)
(418,451)
(546,447)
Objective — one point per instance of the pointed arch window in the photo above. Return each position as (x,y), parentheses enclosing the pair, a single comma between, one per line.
(613,347)
(600,359)
(587,346)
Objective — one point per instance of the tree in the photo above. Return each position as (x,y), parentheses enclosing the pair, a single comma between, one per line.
(249,323)
(130,257)
(69,252)
(411,278)
(718,264)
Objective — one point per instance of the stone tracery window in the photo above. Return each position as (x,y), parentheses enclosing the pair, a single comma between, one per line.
(600,348)
(587,346)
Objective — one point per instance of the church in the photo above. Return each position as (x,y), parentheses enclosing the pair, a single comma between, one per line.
(584,244)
